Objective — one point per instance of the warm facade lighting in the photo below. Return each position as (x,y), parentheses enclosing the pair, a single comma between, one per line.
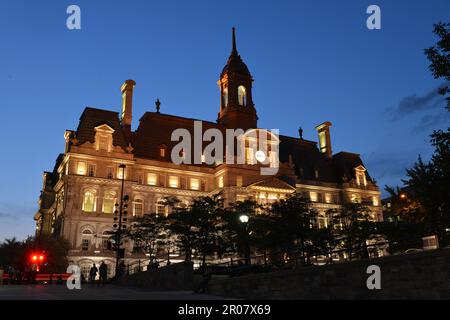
(81,168)
(152,179)
(173,182)
(195,184)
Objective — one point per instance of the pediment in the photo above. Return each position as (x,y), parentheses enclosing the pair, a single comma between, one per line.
(104,128)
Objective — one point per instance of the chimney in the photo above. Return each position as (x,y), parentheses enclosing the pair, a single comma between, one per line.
(324,138)
(127,104)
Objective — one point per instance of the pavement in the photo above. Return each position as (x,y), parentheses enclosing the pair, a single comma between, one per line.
(87,292)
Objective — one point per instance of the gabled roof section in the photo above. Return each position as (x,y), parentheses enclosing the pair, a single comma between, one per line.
(272,183)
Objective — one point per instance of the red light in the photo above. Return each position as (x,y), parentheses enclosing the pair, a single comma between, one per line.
(41,258)
(34,258)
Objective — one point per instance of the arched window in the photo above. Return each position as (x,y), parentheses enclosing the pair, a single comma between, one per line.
(89,201)
(161,208)
(242,96)
(138,209)
(225,97)
(109,200)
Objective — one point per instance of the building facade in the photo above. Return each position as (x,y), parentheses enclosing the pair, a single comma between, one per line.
(78,197)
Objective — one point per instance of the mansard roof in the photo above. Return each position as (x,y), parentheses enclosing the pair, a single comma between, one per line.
(155,129)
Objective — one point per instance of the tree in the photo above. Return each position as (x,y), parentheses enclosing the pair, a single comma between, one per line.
(439,56)
(428,182)
(292,226)
(356,227)
(197,228)
(241,235)
(148,234)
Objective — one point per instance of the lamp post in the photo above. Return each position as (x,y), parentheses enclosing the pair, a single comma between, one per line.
(244,220)
(120,214)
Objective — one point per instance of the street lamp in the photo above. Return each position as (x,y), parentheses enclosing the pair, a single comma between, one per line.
(244,220)
(120,214)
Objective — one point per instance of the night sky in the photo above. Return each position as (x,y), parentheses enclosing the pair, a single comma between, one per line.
(312,62)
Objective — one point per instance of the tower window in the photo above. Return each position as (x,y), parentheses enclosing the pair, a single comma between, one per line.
(242,96)
(225,97)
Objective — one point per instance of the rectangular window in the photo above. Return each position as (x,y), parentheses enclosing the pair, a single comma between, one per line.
(108,204)
(273,158)
(140,179)
(138,208)
(220,182)
(103,143)
(328,198)
(85,244)
(183,183)
(162,152)
(173,181)
(109,173)
(195,184)
(249,156)
(91,170)
(375,201)
(152,179)
(313,196)
(239,181)
(81,167)
(105,244)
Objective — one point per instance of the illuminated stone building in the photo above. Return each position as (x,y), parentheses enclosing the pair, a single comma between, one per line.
(78,196)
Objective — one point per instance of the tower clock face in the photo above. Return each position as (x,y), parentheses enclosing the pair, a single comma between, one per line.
(260,156)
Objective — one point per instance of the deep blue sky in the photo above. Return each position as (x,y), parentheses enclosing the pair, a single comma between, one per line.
(312,61)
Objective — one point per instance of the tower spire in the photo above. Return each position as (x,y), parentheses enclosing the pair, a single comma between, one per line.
(234,51)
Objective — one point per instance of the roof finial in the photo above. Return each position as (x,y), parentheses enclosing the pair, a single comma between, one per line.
(157,103)
(234,51)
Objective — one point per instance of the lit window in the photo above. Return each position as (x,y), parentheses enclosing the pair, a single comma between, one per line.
(174,181)
(225,97)
(103,143)
(273,158)
(109,200)
(162,152)
(249,156)
(161,209)
(203,158)
(195,184)
(239,181)
(138,208)
(328,198)
(220,182)
(242,96)
(91,171)
(152,179)
(355,198)
(313,196)
(81,168)
(89,201)
(375,201)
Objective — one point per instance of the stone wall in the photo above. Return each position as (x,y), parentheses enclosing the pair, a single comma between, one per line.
(178,276)
(423,275)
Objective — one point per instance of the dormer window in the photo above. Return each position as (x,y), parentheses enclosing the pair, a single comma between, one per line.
(162,151)
(360,174)
(242,96)
(104,138)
